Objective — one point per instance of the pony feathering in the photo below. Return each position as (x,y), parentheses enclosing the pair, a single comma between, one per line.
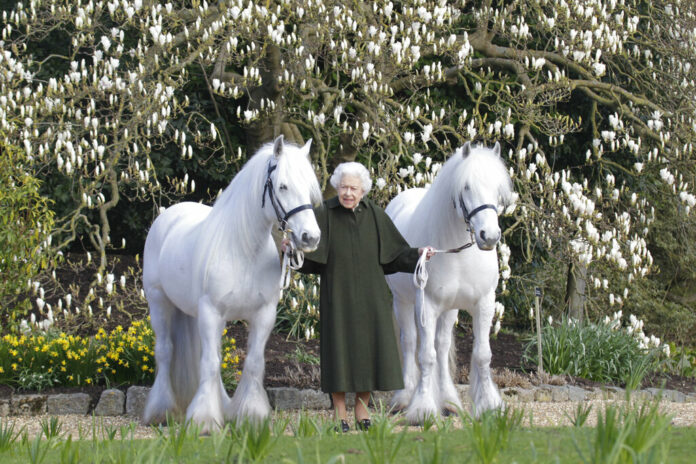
(204,266)
(455,213)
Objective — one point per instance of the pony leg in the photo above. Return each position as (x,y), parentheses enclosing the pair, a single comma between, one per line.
(161,400)
(449,398)
(408,339)
(423,403)
(484,393)
(206,407)
(250,401)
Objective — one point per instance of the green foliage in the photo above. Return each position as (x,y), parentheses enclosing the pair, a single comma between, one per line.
(681,362)
(298,309)
(305,426)
(630,435)
(301,356)
(256,439)
(490,433)
(25,224)
(636,433)
(8,436)
(51,427)
(381,444)
(601,352)
(582,411)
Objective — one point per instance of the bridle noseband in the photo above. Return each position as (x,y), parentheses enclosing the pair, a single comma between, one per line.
(468,215)
(280,212)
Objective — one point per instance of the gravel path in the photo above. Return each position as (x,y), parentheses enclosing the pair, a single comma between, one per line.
(540,415)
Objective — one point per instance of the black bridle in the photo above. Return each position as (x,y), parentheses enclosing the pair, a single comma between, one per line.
(467,218)
(280,212)
(468,215)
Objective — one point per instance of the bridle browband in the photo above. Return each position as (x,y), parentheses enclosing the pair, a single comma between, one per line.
(280,212)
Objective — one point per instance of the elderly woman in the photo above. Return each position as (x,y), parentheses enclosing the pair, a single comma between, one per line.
(359,245)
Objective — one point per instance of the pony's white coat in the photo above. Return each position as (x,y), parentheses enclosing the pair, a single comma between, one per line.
(204,266)
(466,280)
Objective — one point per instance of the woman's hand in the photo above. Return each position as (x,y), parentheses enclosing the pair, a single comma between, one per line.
(284,244)
(429,250)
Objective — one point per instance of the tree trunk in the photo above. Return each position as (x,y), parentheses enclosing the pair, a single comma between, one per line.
(575,291)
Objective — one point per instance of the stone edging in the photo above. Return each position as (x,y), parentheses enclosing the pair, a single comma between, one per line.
(114,402)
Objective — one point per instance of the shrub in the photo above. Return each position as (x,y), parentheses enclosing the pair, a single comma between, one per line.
(602,352)
(25,222)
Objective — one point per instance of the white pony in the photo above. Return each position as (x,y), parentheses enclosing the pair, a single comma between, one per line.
(461,206)
(205,265)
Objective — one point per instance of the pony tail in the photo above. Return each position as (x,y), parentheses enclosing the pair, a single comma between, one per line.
(185,358)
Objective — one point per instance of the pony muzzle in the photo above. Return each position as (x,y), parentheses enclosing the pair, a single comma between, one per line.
(306,241)
(487,240)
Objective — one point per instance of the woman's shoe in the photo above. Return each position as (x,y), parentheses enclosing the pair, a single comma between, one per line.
(363,425)
(345,428)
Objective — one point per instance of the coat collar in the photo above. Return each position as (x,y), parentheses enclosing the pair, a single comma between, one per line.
(333,202)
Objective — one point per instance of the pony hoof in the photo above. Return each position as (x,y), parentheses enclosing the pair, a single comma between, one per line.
(396,410)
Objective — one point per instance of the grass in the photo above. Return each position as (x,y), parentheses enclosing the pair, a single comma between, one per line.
(526,445)
(635,432)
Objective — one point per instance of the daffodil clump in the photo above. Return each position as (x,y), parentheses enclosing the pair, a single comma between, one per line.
(122,356)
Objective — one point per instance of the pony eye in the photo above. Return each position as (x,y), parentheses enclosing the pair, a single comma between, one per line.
(467,188)
(283,187)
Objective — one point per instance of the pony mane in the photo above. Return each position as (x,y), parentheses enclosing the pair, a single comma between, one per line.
(231,229)
(480,171)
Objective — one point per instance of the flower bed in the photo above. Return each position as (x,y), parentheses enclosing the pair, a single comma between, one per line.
(35,361)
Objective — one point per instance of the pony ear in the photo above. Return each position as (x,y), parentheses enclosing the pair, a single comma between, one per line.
(466,149)
(308,146)
(278,146)
(496,149)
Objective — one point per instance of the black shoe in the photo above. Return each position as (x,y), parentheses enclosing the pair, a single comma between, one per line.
(363,425)
(345,428)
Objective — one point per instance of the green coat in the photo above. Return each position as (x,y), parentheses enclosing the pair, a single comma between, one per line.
(357,248)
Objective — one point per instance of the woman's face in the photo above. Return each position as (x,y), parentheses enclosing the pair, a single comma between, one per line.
(350,191)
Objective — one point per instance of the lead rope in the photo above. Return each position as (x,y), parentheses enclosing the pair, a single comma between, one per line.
(420,274)
(420,280)
(292,259)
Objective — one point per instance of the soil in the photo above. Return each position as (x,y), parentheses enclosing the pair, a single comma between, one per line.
(289,363)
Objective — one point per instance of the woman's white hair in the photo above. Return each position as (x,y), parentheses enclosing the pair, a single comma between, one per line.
(351,169)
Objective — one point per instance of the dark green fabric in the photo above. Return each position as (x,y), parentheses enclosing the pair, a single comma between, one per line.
(358,344)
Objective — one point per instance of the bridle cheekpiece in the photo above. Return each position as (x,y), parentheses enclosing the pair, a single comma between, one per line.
(281,214)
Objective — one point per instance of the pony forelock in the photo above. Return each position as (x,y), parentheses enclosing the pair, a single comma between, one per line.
(480,171)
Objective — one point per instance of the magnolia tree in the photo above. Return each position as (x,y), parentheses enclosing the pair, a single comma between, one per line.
(593,101)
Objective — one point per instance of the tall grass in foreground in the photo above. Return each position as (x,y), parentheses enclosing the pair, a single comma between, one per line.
(636,433)
(489,434)
(629,434)
(603,352)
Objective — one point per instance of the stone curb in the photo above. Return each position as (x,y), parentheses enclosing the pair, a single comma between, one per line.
(114,402)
